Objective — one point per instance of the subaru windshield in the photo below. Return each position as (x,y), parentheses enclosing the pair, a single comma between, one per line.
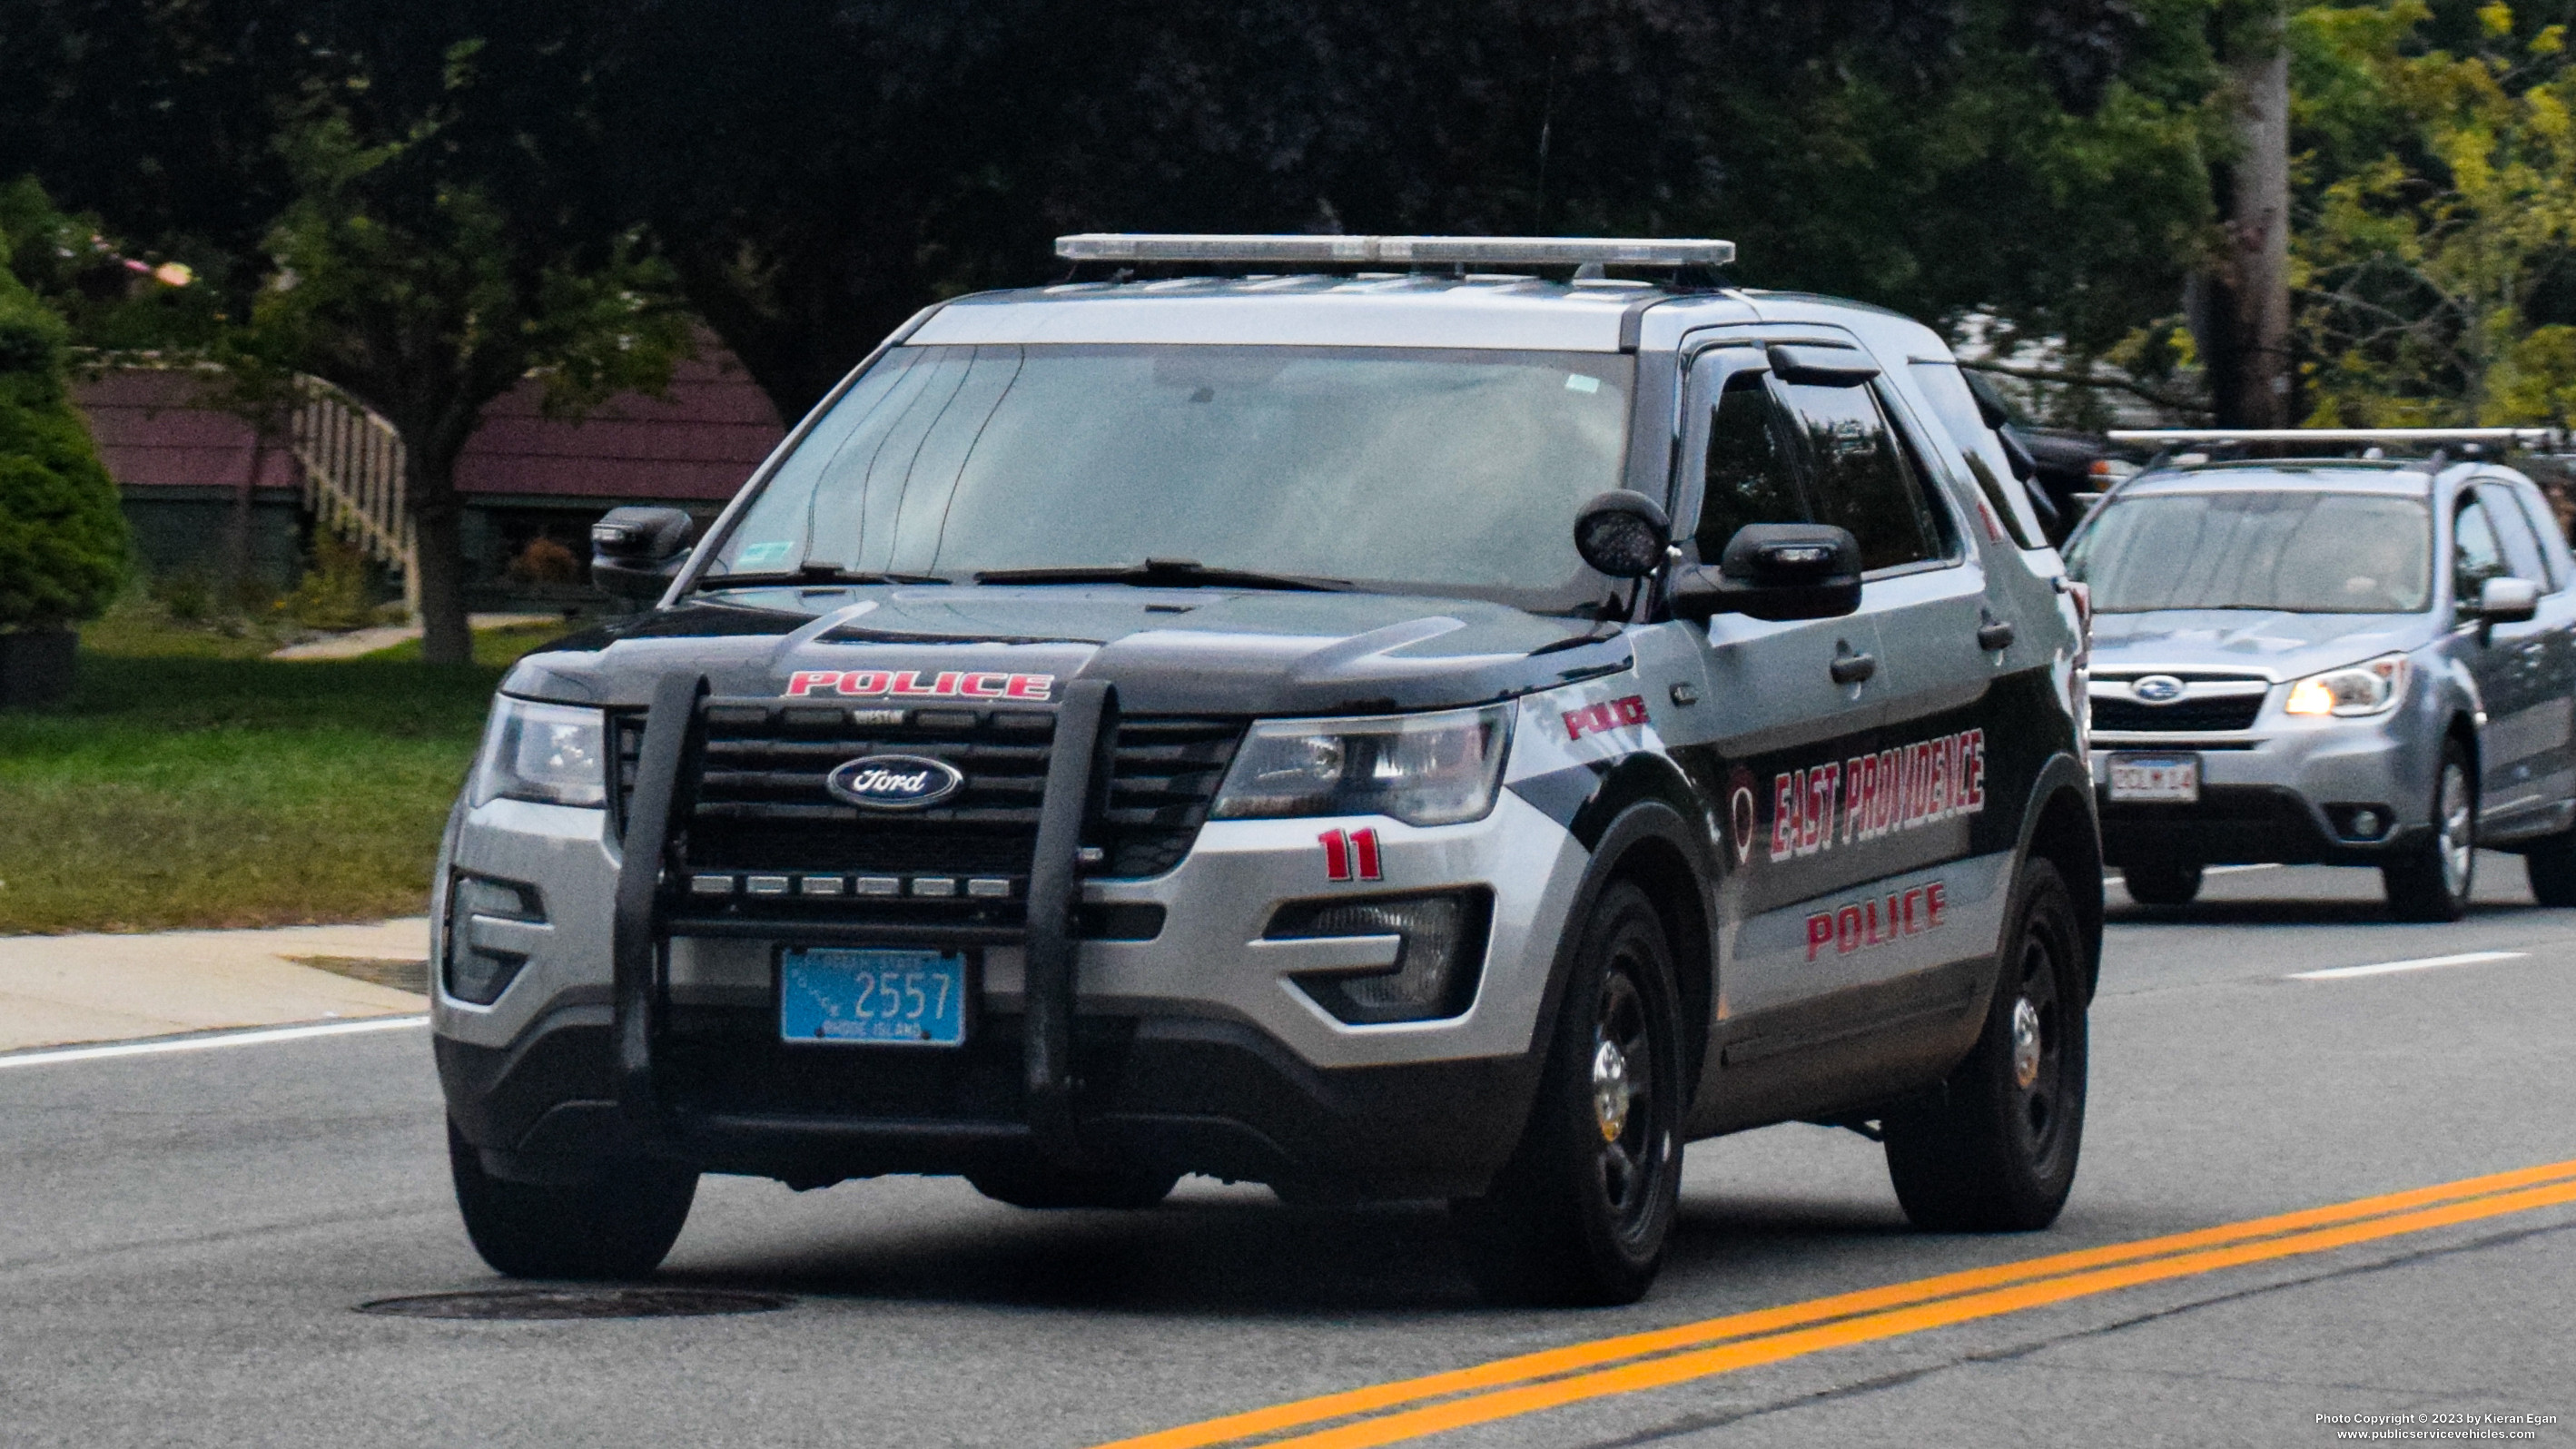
(1407,470)
(2301,551)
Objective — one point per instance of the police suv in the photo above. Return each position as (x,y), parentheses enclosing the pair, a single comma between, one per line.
(1350,713)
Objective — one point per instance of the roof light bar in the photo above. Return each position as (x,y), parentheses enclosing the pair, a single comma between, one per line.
(1399,250)
(2534,437)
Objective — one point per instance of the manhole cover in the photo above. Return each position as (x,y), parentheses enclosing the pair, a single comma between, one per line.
(527,1303)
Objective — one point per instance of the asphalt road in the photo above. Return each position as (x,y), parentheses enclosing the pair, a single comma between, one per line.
(184,1238)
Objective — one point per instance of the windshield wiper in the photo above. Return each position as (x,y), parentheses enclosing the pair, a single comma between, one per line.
(815,574)
(1162,573)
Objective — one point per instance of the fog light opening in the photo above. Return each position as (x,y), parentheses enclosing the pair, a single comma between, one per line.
(472,971)
(2361,822)
(1436,967)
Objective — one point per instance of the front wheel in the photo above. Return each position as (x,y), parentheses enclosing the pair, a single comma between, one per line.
(2431,881)
(1581,1212)
(2550,865)
(1994,1149)
(2161,883)
(618,1223)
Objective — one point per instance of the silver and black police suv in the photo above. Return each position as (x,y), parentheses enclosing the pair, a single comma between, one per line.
(1379,723)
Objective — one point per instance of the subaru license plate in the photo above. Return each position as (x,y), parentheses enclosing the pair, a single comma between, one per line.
(871,996)
(2172,779)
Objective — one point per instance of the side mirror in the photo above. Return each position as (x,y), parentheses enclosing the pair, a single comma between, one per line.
(636,552)
(1775,571)
(2507,601)
(1622,534)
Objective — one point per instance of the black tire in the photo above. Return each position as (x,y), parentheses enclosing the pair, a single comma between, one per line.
(2432,879)
(1580,1213)
(1045,1185)
(2161,883)
(2551,867)
(1994,1150)
(619,1223)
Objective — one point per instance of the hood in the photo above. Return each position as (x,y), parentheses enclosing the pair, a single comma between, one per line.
(2281,644)
(1168,651)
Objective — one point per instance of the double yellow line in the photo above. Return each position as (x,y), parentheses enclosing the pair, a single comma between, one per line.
(1411,1408)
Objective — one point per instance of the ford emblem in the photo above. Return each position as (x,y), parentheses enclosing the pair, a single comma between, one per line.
(2157,689)
(894,782)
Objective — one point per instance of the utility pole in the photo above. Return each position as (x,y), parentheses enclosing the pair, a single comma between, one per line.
(2243,321)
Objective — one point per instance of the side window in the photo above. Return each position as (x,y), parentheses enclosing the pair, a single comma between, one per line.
(2543,521)
(1956,408)
(1750,479)
(2474,555)
(1859,477)
(2513,536)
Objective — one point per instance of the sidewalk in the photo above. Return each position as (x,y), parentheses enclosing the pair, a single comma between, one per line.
(58,990)
(359,642)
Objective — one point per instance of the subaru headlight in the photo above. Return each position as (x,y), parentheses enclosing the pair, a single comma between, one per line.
(1422,769)
(2362,689)
(554,753)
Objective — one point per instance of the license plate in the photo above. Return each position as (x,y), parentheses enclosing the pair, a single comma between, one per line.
(2171,778)
(870,996)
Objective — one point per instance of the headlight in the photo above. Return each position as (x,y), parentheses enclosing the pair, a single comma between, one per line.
(2372,688)
(1422,769)
(547,752)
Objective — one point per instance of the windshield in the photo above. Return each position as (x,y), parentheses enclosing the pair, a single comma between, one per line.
(1406,469)
(2305,552)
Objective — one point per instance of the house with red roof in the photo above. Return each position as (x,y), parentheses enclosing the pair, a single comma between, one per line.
(201,486)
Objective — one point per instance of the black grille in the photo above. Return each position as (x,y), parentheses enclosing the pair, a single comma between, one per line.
(2231,713)
(757,801)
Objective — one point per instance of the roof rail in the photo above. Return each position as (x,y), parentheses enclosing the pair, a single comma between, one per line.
(2521,437)
(1400,250)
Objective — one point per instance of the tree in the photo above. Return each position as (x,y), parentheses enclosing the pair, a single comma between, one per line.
(2439,192)
(398,278)
(2244,324)
(818,169)
(62,534)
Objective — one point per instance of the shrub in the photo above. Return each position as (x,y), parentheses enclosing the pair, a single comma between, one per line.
(334,593)
(545,561)
(62,533)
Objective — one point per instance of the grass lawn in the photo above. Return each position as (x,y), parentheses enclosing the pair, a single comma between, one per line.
(190,782)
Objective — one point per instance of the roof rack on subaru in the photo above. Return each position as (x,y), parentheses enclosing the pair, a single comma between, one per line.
(2534,438)
(2196,447)
(1336,251)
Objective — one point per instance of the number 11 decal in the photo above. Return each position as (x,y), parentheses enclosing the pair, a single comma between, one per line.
(1350,855)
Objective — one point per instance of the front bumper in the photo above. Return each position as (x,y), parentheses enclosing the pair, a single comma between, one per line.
(1180,1095)
(2285,792)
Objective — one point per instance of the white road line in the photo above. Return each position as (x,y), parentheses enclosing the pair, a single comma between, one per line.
(209,1043)
(2425,963)
(2204,870)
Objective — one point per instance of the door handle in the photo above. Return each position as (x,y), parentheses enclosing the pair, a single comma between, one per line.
(1994,634)
(1853,668)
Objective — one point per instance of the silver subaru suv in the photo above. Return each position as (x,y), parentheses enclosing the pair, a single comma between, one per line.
(2342,661)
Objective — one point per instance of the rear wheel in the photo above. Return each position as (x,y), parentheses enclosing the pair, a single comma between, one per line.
(618,1223)
(1045,1185)
(2551,866)
(1994,1150)
(2161,883)
(1580,1213)
(2431,881)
